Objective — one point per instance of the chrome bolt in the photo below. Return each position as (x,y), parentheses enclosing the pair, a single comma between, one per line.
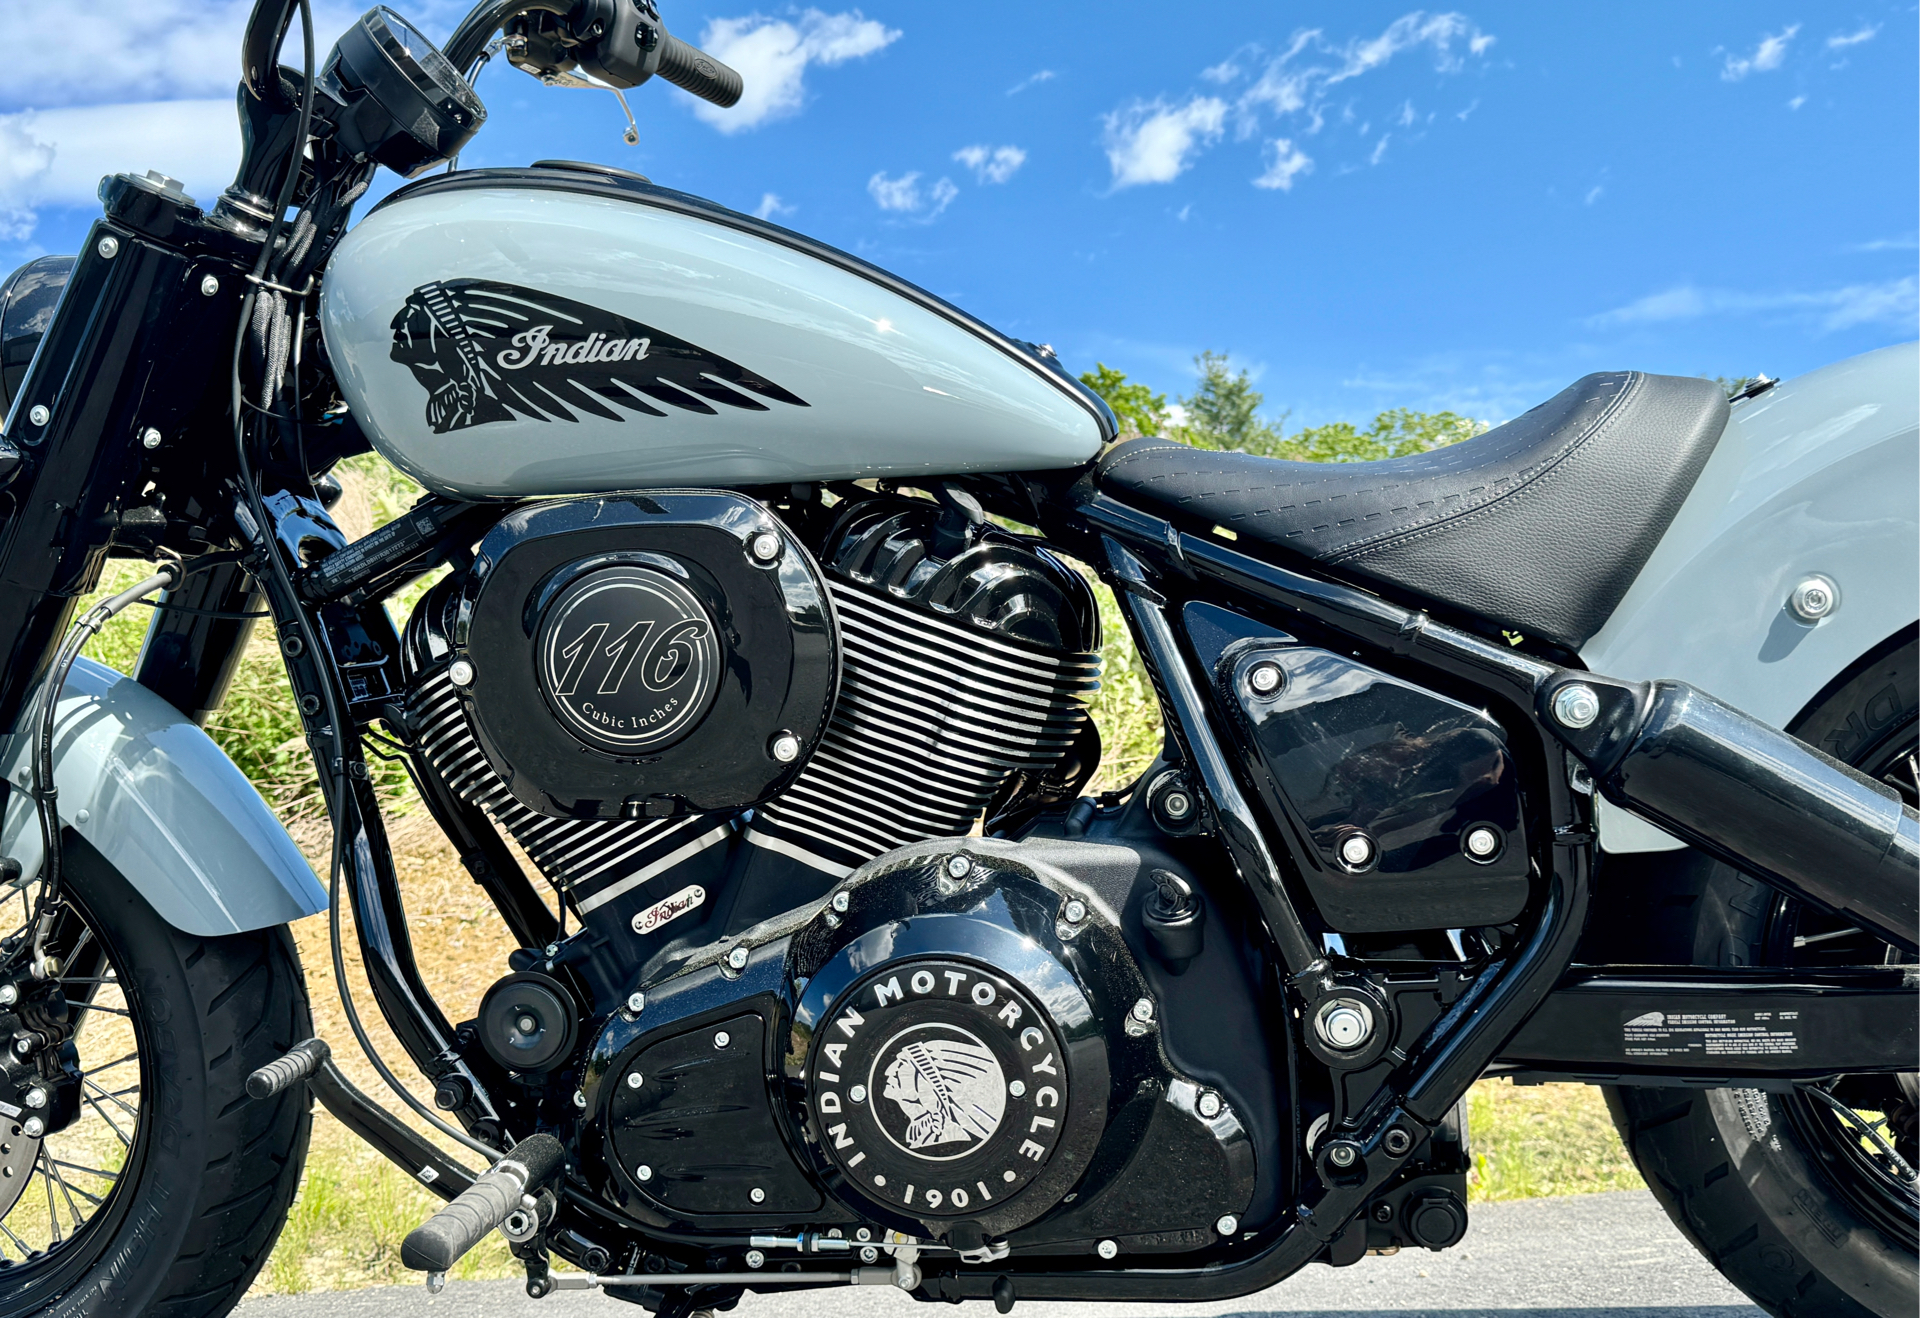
(1576,705)
(436,1282)
(758,1195)
(1076,911)
(765,547)
(34,1127)
(737,959)
(36,1097)
(841,901)
(1814,598)
(721,1039)
(958,867)
(1396,1142)
(39,415)
(1018,1088)
(1177,805)
(150,438)
(1106,1249)
(209,285)
(635,1080)
(1143,1010)
(858,1093)
(1482,843)
(1344,1025)
(1356,851)
(636,1002)
(1209,1105)
(527,1024)
(579,1099)
(1342,1155)
(1265,678)
(785,748)
(108,247)
(9,994)
(863,1234)
(643,1172)
(460,673)
(23,1046)
(868,1254)
(1227,1225)
(755,1259)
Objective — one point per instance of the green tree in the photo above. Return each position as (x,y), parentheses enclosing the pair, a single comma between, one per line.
(1393,434)
(1223,411)
(1139,410)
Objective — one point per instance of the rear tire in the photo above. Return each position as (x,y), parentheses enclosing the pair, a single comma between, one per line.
(1756,1180)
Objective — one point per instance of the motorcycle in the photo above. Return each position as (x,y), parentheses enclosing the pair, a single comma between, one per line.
(764,639)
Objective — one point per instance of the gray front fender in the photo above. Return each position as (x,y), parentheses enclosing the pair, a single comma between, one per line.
(154,795)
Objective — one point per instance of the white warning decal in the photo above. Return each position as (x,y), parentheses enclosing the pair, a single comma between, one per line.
(1711,1034)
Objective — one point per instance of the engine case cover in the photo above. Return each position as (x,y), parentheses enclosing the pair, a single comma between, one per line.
(644,655)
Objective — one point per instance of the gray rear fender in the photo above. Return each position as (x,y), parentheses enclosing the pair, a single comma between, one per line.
(164,805)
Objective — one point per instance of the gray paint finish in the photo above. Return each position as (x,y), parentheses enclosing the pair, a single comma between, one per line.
(893,389)
(166,807)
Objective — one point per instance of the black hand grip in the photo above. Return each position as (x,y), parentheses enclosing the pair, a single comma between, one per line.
(301,1061)
(439,1242)
(692,69)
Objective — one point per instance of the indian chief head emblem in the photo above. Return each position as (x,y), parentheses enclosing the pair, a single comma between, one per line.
(949,1090)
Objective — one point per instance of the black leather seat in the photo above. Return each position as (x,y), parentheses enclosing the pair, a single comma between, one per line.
(1539,525)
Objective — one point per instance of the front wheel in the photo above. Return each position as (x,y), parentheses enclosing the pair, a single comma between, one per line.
(139,1178)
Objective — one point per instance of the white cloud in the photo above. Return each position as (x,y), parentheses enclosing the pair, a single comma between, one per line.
(903,196)
(1906,244)
(1594,194)
(771,206)
(1380,149)
(772,55)
(1284,162)
(1031,80)
(57,157)
(1154,142)
(1223,73)
(1841,40)
(991,164)
(1438,31)
(1895,302)
(1770,54)
(1796,102)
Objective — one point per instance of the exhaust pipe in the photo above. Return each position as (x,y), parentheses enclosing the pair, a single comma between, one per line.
(1747,794)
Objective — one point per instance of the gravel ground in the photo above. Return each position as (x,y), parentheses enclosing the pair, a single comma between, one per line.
(1600,1255)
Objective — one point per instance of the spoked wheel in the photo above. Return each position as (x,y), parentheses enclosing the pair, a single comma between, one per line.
(1806,1200)
(135,1175)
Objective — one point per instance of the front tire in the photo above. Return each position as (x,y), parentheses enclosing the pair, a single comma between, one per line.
(205,1177)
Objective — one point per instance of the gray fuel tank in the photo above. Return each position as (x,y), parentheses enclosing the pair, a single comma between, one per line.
(511,333)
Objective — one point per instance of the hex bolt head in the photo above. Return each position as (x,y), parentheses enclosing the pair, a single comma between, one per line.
(1576,705)
(150,438)
(209,285)
(1383,1212)
(36,1097)
(841,901)
(765,547)
(1814,598)
(1482,843)
(39,415)
(1356,851)
(758,1195)
(858,1093)
(23,1046)
(1227,1225)
(863,1234)
(1176,805)
(1209,1105)
(785,747)
(1143,1010)
(1266,679)
(460,673)
(34,1127)
(643,1172)
(868,1254)
(721,1038)
(1344,1025)
(1106,1249)
(1342,1155)
(958,867)
(9,994)
(755,1259)
(1396,1142)
(636,1002)
(1017,1088)
(635,1080)
(737,958)
(108,247)
(1076,911)
(579,1099)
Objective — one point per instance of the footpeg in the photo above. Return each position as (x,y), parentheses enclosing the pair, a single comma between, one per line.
(301,1061)
(438,1243)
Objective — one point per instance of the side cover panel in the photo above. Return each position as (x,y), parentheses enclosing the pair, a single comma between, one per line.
(154,795)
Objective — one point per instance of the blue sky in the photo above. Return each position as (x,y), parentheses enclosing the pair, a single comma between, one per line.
(1367,205)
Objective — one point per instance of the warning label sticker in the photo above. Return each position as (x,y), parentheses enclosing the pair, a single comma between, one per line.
(1668,1034)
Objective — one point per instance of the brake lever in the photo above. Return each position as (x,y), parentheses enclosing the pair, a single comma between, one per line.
(579,82)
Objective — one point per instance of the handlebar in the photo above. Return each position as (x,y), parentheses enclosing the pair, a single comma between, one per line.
(693,70)
(621,55)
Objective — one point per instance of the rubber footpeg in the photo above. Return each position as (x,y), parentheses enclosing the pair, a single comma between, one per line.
(301,1061)
(439,1242)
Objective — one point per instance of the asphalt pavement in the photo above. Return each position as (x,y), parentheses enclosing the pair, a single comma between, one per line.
(1585,1256)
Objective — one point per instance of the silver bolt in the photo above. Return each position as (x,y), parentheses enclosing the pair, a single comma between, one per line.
(1341,1155)
(460,673)
(209,285)
(1209,1105)
(1264,678)
(765,546)
(1076,911)
(36,1097)
(39,415)
(863,1234)
(1143,1010)
(868,1254)
(1396,1142)
(755,1259)
(1814,598)
(527,1024)
(785,748)
(579,1099)
(1356,851)
(23,1046)
(635,1080)
(1106,1249)
(737,958)
(858,1093)
(644,1172)
(1344,1025)
(636,1002)
(1017,1088)
(34,1127)
(1178,805)
(841,901)
(958,867)
(758,1195)
(1482,842)
(436,1282)
(9,994)
(721,1038)
(108,247)
(1576,705)
(150,438)
(1227,1225)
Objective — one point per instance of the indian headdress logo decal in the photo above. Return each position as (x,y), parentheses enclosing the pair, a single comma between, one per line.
(487,351)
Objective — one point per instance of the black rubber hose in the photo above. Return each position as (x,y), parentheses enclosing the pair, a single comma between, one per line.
(439,1242)
(693,70)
